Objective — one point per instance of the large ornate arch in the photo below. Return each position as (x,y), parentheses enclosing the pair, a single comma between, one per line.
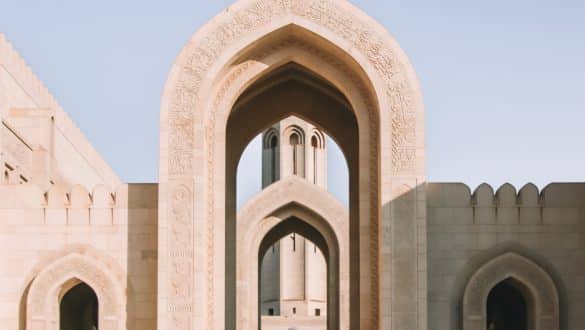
(53,281)
(226,56)
(292,197)
(535,282)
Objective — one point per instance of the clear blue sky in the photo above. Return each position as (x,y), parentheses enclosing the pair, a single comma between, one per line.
(503,80)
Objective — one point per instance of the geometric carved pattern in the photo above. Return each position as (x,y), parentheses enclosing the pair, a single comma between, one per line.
(180,257)
(543,301)
(49,285)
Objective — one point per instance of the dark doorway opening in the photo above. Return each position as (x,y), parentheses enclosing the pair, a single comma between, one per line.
(506,308)
(79,309)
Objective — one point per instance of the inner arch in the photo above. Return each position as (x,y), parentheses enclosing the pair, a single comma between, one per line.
(330,251)
(291,89)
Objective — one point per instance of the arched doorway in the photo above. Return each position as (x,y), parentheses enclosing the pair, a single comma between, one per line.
(76,283)
(291,89)
(510,292)
(340,57)
(294,225)
(506,307)
(78,309)
(293,205)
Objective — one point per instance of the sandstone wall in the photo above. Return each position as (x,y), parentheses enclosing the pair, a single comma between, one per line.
(465,230)
(116,228)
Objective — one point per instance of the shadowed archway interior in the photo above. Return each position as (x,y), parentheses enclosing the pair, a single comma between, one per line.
(78,309)
(506,307)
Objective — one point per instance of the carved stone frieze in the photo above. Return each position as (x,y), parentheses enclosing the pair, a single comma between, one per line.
(181,256)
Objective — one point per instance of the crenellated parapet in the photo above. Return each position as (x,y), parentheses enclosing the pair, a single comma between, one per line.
(455,203)
(27,204)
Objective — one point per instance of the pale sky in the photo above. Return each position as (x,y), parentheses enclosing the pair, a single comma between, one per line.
(503,80)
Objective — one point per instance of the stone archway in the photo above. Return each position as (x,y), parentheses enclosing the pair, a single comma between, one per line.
(536,286)
(358,58)
(51,283)
(327,220)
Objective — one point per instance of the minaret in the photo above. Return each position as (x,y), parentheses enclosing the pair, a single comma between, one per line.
(294,272)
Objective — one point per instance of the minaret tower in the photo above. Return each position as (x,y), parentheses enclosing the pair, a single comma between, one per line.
(294,272)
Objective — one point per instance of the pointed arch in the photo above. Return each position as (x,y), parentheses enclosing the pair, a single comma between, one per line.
(314,213)
(355,55)
(270,138)
(535,283)
(52,282)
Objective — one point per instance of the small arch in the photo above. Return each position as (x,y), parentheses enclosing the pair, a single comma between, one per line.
(270,138)
(533,282)
(317,139)
(271,148)
(296,139)
(295,134)
(52,284)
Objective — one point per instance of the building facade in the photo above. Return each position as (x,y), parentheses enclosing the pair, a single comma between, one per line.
(80,249)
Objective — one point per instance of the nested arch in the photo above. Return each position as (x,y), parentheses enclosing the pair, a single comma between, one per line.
(533,282)
(236,49)
(301,91)
(52,283)
(293,204)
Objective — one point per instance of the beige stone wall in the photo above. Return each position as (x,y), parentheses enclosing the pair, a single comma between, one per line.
(115,230)
(466,230)
(39,141)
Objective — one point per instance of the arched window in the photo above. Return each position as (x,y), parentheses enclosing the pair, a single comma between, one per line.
(79,309)
(270,161)
(295,142)
(506,308)
(273,157)
(315,146)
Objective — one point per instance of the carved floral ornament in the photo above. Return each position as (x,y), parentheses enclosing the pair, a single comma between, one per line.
(340,19)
